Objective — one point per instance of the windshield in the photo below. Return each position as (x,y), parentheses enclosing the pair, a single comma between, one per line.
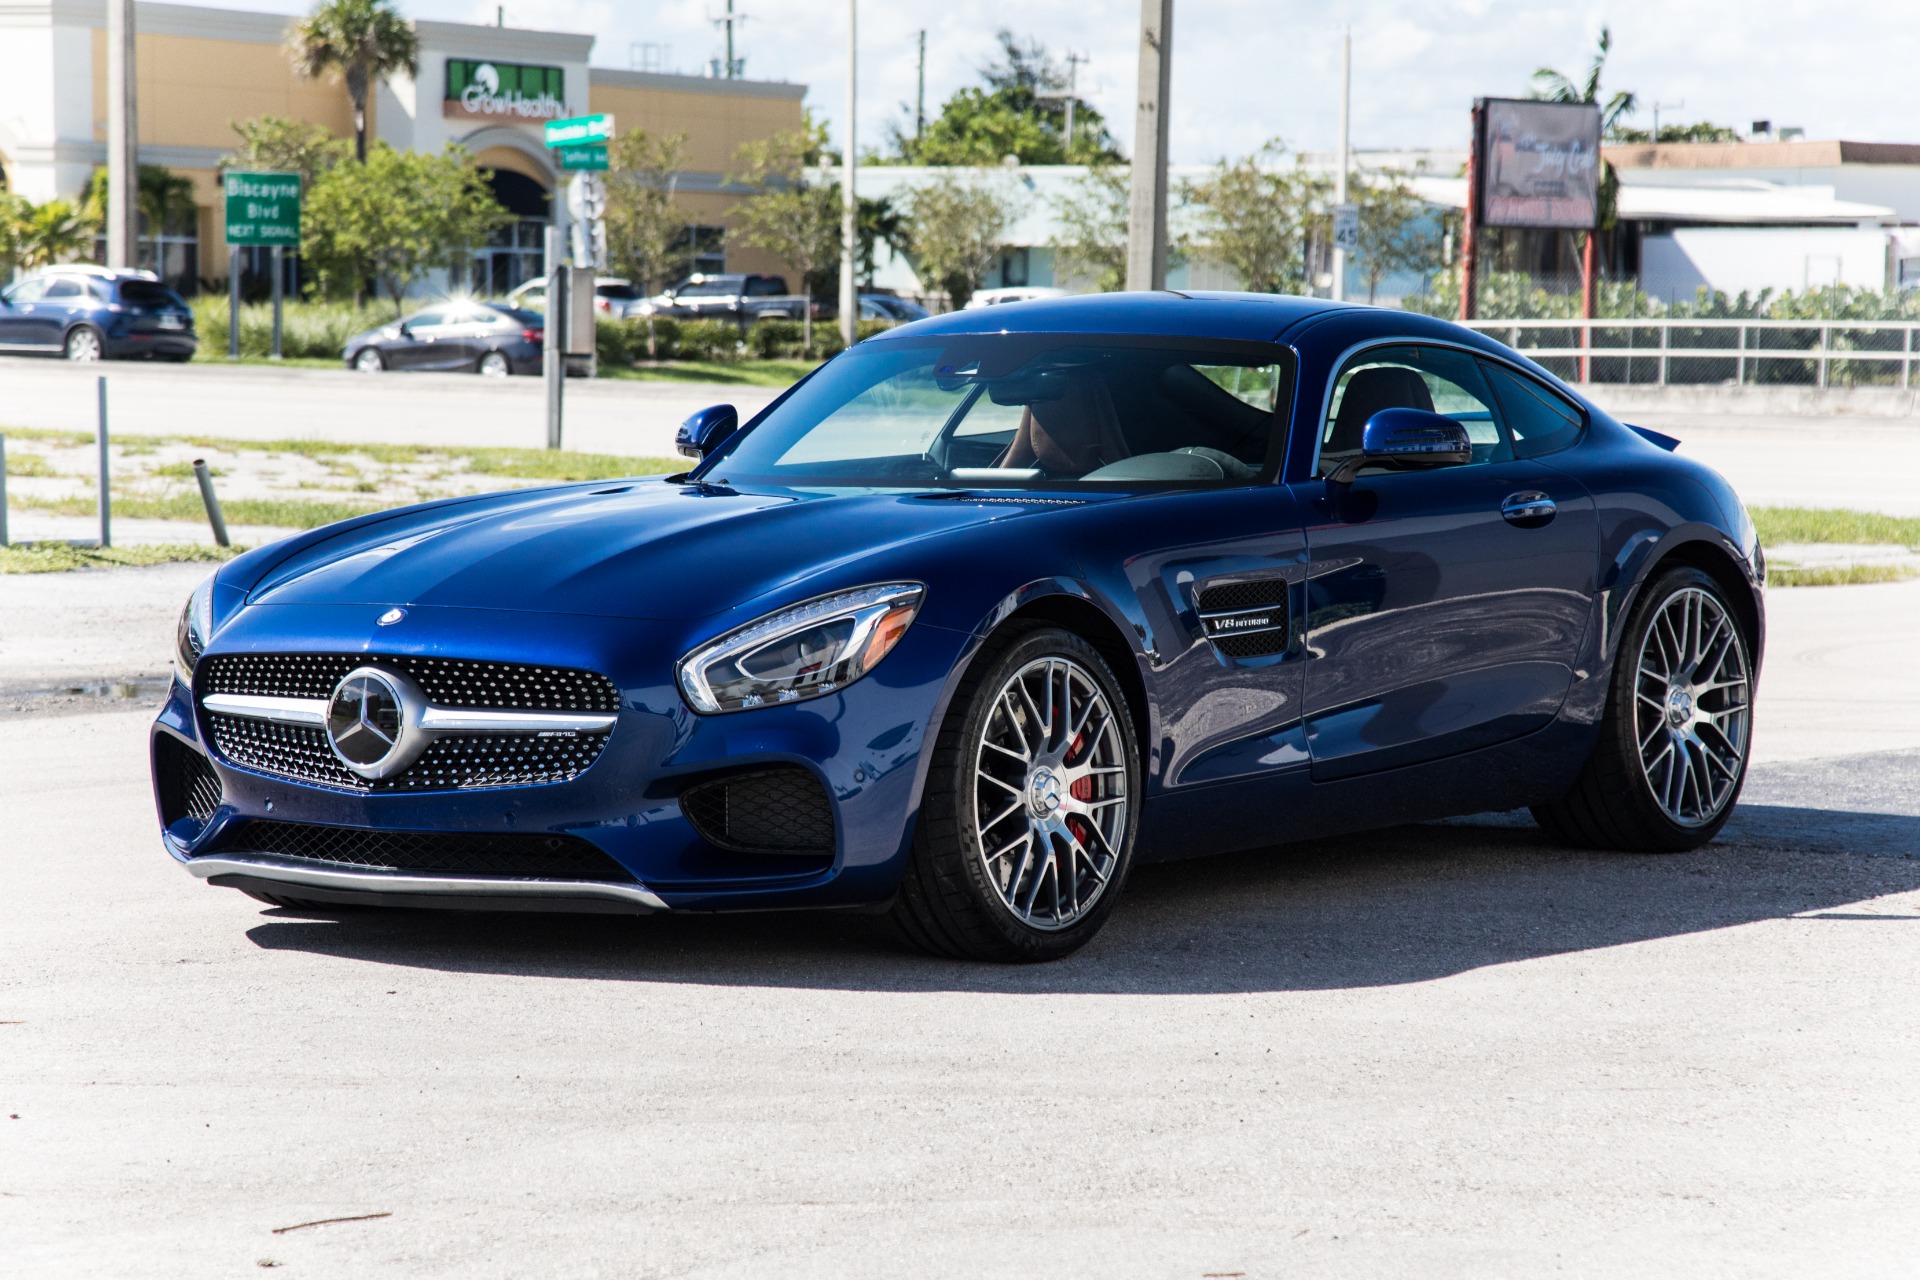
(1026,411)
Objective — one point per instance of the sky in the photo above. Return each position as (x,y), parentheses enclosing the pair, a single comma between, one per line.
(1246,71)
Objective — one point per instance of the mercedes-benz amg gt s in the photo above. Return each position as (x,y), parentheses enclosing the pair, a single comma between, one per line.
(975,616)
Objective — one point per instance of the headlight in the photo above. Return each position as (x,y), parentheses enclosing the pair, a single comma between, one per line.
(811,649)
(196,624)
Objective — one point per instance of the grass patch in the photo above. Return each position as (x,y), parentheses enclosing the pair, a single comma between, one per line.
(28,464)
(559,464)
(67,439)
(206,355)
(1836,575)
(1808,524)
(745,373)
(58,557)
(282,513)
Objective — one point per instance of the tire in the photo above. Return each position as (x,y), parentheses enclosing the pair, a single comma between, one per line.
(84,345)
(369,361)
(493,365)
(1044,874)
(1682,686)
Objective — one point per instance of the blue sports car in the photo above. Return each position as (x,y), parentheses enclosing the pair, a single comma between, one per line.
(975,616)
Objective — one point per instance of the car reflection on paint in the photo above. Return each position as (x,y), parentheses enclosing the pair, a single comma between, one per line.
(487,338)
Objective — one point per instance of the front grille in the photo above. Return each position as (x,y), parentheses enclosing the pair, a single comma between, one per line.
(189,788)
(523,857)
(447,682)
(782,810)
(1246,619)
(453,763)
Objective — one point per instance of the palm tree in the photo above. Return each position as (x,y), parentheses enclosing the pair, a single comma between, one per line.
(362,40)
(53,232)
(1551,86)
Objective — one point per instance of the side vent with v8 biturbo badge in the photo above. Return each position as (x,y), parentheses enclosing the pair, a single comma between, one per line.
(1246,619)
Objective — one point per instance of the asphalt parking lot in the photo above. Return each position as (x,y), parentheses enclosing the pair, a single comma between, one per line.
(1450,1050)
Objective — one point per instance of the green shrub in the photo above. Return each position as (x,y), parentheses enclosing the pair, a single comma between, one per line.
(308,330)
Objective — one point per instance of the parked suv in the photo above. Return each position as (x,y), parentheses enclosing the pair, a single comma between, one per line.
(729,297)
(91,313)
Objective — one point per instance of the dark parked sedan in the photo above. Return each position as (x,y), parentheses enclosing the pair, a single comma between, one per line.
(481,337)
(983,611)
(88,313)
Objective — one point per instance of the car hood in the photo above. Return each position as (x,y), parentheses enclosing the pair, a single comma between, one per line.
(640,549)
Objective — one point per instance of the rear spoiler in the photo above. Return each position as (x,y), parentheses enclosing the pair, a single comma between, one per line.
(1653,437)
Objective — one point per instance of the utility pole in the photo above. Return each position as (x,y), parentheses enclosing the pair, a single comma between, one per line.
(1147,213)
(733,66)
(920,93)
(1346,160)
(1073,93)
(123,141)
(849,203)
(1658,107)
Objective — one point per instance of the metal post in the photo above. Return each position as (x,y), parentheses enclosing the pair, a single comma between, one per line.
(1906,377)
(279,274)
(233,302)
(123,141)
(211,502)
(849,203)
(106,493)
(1469,233)
(553,356)
(1666,340)
(3,492)
(1344,160)
(1740,364)
(920,93)
(1822,369)
(1147,209)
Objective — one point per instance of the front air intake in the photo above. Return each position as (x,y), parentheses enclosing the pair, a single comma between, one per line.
(189,788)
(783,810)
(1246,619)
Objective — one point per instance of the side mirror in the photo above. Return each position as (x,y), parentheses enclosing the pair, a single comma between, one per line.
(1410,439)
(706,429)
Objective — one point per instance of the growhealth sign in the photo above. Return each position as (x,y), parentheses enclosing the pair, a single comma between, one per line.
(263,209)
(1540,164)
(479,90)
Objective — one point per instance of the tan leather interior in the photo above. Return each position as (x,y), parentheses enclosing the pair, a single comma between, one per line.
(1069,436)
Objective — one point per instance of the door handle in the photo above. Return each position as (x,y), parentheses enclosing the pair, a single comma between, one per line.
(1528,509)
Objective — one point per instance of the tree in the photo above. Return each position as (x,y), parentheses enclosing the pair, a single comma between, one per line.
(645,232)
(163,196)
(362,40)
(790,215)
(877,221)
(1550,86)
(1256,217)
(54,231)
(1396,233)
(1021,112)
(1093,220)
(958,229)
(388,220)
(275,144)
(1698,131)
(13,220)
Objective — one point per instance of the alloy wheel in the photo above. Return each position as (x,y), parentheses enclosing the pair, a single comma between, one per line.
(1692,707)
(494,365)
(83,346)
(1050,793)
(369,361)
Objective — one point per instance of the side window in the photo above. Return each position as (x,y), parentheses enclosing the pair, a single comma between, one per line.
(65,289)
(1436,379)
(25,292)
(427,320)
(1541,421)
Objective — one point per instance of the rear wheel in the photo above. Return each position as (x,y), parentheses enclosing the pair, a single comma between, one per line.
(1027,828)
(494,365)
(369,361)
(85,345)
(1672,751)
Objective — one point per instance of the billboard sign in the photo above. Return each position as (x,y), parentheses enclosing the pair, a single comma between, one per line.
(1540,164)
(263,208)
(481,90)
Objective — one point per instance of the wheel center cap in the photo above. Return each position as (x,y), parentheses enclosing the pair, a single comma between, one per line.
(1679,708)
(1044,792)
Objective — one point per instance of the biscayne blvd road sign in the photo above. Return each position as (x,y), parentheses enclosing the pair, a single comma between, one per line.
(579,129)
(263,208)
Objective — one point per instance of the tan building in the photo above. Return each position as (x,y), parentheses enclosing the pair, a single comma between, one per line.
(490,89)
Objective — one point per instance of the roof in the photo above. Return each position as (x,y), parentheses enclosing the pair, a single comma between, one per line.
(1736,201)
(1250,317)
(1760,155)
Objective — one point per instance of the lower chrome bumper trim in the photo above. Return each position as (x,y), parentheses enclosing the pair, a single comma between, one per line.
(284,871)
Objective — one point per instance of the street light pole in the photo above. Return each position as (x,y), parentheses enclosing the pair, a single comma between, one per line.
(849,204)
(1345,161)
(123,141)
(1147,211)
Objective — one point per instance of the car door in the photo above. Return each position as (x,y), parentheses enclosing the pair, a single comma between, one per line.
(64,301)
(415,347)
(19,307)
(1444,607)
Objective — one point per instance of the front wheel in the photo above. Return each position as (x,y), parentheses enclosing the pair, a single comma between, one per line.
(85,346)
(494,365)
(1672,752)
(369,361)
(1026,831)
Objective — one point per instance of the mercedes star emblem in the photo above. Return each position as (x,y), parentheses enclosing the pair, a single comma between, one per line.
(366,720)
(391,616)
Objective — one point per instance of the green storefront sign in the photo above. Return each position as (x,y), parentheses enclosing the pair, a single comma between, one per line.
(483,90)
(263,209)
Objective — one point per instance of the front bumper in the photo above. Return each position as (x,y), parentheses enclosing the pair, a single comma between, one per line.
(862,745)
